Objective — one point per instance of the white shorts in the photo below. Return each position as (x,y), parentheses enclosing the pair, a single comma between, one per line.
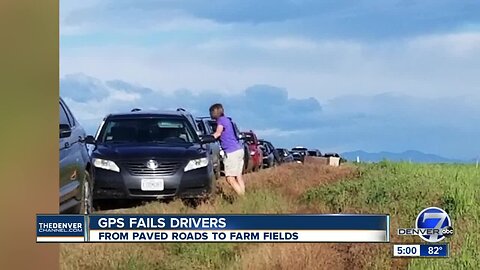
(233,163)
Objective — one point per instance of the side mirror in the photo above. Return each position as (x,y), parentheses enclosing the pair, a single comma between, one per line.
(207,139)
(65,131)
(90,140)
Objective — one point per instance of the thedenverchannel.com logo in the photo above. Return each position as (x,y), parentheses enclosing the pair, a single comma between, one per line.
(432,225)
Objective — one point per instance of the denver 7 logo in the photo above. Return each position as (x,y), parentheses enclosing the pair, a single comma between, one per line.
(433,218)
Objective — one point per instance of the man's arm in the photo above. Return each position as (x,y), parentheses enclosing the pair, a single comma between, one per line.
(218,132)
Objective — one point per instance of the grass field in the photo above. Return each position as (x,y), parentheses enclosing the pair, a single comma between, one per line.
(400,189)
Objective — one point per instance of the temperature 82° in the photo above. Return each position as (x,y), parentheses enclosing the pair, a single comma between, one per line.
(435,250)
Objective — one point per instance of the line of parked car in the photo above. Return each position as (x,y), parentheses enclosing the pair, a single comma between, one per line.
(151,155)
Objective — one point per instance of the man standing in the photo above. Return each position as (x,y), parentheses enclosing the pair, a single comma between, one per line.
(234,153)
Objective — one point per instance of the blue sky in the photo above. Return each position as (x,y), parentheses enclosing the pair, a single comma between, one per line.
(334,75)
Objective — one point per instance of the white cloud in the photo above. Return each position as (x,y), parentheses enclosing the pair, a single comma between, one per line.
(124,96)
(441,65)
(463,44)
(275,132)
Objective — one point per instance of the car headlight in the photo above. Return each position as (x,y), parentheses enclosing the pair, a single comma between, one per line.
(105,164)
(196,164)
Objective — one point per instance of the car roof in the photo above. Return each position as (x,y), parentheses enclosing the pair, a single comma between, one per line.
(151,113)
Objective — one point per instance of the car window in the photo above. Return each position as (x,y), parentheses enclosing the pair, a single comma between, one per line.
(208,127)
(271,147)
(249,138)
(266,146)
(213,125)
(69,115)
(159,130)
(201,126)
(63,116)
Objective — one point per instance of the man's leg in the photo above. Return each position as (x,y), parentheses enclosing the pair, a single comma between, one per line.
(232,181)
(241,184)
(229,164)
(239,177)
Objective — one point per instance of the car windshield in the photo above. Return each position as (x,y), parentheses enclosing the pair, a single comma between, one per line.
(299,149)
(156,130)
(249,138)
(312,153)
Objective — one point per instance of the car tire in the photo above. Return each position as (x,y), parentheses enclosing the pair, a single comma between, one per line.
(206,197)
(86,202)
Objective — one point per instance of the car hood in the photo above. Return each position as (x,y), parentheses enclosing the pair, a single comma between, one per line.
(132,151)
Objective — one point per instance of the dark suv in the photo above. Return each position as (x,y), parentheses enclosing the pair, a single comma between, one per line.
(271,157)
(314,153)
(285,155)
(151,155)
(75,179)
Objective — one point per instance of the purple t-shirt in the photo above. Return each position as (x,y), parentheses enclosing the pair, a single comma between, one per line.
(228,140)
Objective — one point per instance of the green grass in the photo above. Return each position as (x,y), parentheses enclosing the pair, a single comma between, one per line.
(402,190)
(398,189)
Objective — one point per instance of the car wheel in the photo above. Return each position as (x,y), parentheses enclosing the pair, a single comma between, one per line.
(86,206)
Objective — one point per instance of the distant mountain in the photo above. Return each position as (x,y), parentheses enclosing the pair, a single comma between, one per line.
(411,155)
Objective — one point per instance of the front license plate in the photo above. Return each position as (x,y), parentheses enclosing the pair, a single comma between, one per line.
(152,184)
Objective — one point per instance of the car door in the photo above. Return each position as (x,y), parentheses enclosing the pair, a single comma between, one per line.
(271,151)
(71,160)
(214,147)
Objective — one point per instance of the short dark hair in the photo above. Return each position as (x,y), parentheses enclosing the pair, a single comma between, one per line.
(215,107)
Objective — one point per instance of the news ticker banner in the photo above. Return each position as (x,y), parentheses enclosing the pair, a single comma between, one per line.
(421,250)
(213,228)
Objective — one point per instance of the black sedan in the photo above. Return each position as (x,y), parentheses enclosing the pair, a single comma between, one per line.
(158,155)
